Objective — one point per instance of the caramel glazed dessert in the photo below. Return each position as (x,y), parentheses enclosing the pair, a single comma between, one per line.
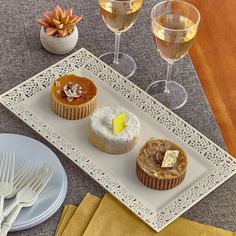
(161,164)
(73,97)
(101,133)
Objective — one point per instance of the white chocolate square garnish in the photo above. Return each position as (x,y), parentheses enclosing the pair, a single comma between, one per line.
(170,158)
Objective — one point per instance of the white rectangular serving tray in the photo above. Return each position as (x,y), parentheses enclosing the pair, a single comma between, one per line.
(209,165)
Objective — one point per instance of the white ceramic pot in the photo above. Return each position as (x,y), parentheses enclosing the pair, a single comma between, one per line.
(59,45)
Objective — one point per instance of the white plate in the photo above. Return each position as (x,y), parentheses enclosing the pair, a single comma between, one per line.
(54,193)
(209,165)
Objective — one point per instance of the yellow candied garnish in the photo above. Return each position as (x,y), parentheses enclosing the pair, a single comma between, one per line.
(118,123)
(170,158)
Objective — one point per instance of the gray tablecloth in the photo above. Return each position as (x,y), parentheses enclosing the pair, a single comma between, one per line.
(22,56)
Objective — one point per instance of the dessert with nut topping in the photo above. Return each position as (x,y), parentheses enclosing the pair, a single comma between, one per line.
(73,97)
(161,164)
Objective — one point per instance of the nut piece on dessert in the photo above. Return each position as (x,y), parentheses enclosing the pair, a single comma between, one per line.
(73,97)
(161,164)
(113,130)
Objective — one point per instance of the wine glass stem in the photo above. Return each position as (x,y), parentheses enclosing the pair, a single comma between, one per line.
(168,76)
(117,47)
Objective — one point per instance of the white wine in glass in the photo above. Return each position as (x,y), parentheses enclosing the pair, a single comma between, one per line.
(119,16)
(173,45)
(174,27)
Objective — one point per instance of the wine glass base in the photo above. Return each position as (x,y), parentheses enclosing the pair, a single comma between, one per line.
(125,66)
(174,99)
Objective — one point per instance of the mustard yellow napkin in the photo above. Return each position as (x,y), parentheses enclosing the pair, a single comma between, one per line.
(83,214)
(109,217)
(61,219)
(113,219)
(66,215)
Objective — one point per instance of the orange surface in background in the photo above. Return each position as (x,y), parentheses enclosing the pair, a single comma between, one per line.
(214,56)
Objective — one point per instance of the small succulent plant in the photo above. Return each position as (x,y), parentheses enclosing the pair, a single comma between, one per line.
(59,22)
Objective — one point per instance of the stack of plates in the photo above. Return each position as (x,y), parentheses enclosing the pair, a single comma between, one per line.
(54,193)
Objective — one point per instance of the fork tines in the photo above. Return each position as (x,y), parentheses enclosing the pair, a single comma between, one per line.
(7,162)
(41,178)
(22,176)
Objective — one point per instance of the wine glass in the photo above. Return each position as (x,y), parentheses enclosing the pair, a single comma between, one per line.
(174,26)
(119,16)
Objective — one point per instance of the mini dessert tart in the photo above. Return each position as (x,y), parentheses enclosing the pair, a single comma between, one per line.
(73,97)
(113,130)
(161,164)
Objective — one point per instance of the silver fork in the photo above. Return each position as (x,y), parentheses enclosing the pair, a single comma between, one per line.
(7,162)
(32,190)
(22,176)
